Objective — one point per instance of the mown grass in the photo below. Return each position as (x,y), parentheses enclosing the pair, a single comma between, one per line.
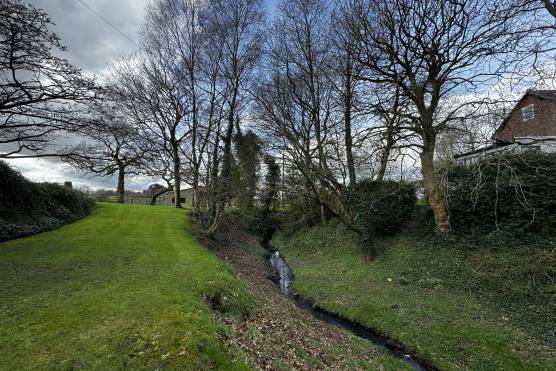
(126,287)
(458,305)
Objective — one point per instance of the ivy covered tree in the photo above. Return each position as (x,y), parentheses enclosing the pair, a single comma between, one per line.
(248,151)
(270,194)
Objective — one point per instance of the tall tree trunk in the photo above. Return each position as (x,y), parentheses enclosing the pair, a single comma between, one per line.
(385,155)
(322,159)
(177,193)
(121,181)
(195,186)
(348,139)
(177,179)
(349,150)
(433,189)
(213,197)
(195,159)
(225,181)
(213,176)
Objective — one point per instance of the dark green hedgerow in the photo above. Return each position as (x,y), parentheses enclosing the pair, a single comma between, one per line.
(380,208)
(515,194)
(27,208)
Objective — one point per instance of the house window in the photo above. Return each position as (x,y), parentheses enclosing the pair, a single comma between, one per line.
(528,112)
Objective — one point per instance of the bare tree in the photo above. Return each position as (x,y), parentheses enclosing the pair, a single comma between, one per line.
(347,85)
(213,114)
(175,28)
(389,108)
(297,100)
(435,50)
(236,28)
(158,102)
(112,145)
(40,93)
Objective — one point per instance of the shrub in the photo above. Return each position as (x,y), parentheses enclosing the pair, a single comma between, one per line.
(380,208)
(515,194)
(27,208)
(298,208)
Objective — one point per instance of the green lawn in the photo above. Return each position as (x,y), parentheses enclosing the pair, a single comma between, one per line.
(126,287)
(460,306)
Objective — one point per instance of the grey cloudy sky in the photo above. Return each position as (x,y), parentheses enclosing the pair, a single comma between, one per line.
(91,42)
(92,45)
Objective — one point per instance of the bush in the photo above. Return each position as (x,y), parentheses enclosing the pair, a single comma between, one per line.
(380,208)
(300,212)
(515,194)
(27,208)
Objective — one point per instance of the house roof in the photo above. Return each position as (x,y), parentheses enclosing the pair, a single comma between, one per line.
(542,94)
(482,149)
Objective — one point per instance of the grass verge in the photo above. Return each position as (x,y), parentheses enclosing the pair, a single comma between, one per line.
(126,287)
(453,303)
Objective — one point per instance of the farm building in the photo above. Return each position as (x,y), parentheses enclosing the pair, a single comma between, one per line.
(169,198)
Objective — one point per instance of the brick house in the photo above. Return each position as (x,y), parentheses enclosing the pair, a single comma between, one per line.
(530,126)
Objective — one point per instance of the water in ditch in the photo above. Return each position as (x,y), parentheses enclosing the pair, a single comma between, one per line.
(281,268)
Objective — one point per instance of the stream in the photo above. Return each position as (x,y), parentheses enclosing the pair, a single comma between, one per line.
(281,268)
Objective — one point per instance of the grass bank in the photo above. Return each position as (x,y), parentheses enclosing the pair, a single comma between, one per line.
(280,336)
(126,287)
(457,304)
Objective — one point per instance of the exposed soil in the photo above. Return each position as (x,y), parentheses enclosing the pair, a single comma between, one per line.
(278,335)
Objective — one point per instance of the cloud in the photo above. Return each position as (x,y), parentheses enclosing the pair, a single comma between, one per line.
(92,44)
(48,170)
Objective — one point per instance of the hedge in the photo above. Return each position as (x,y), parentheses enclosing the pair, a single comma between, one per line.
(380,208)
(27,208)
(515,194)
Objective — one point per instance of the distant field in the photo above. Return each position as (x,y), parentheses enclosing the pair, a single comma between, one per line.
(126,287)
(458,305)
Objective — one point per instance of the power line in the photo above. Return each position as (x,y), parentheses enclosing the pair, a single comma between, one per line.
(107,21)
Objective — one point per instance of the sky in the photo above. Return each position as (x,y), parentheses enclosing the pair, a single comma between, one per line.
(92,45)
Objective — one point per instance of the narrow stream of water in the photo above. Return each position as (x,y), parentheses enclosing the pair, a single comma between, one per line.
(286,277)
